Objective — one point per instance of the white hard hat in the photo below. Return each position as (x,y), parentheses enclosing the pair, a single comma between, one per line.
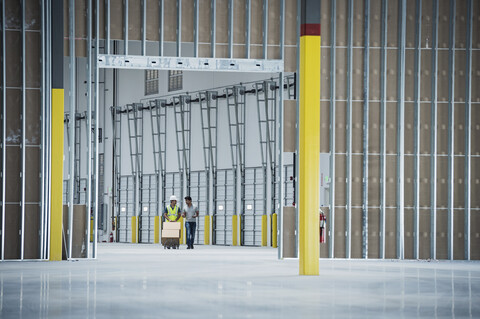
(173,197)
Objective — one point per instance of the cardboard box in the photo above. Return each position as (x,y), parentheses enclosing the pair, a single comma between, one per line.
(171,233)
(171,225)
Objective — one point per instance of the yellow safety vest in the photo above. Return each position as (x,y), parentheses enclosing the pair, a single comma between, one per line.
(172,213)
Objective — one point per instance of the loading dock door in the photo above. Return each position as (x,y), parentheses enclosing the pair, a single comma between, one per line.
(224,207)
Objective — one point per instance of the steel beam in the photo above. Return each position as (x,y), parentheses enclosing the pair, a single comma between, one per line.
(89,124)
(125,27)
(248,13)
(417,121)
(195,28)
(333,73)
(107,26)
(213,25)
(199,64)
(230,29)
(468,130)
(24,127)
(348,219)
(161,22)
(366,110)
(280,153)
(95,138)
(265,29)
(282,33)
(71,158)
(179,28)
(402,18)
(383,121)
(451,130)
(433,138)
(43,158)
(144,27)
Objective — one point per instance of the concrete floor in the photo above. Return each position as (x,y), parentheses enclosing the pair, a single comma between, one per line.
(146,281)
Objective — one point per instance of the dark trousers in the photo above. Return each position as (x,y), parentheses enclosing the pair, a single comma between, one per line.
(190,227)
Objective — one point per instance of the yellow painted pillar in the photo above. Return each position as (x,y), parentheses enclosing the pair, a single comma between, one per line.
(56,211)
(134,229)
(274,230)
(156,230)
(264,230)
(234,230)
(309,138)
(206,233)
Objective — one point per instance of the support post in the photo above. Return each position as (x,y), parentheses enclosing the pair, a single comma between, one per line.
(309,146)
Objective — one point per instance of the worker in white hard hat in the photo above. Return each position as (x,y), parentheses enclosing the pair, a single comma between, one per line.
(172,211)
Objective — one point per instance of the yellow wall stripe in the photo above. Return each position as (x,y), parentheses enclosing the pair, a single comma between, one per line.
(309,154)
(156,230)
(264,230)
(234,230)
(274,230)
(56,212)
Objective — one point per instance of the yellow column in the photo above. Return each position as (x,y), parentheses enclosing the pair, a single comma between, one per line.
(309,147)
(56,212)
(156,230)
(274,230)
(134,229)
(234,230)
(264,230)
(206,233)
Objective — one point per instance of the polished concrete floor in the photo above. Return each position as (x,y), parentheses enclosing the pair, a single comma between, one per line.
(146,281)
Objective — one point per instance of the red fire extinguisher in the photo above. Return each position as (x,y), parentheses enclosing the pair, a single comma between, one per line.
(323,224)
(110,239)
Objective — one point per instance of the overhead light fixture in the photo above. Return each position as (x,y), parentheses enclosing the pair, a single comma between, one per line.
(145,209)
(249,207)
(123,209)
(220,207)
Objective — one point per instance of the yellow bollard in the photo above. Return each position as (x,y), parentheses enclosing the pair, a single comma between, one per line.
(264,230)
(206,233)
(274,230)
(134,229)
(234,230)
(156,230)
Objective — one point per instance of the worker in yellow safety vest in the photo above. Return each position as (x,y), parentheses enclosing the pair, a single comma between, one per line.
(172,211)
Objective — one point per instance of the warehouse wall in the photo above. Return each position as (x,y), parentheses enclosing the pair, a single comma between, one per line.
(21,130)
(340,77)
(353,245)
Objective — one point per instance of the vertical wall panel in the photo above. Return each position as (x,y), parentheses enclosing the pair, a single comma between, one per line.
(340,233)
(390,233)
(324,127)
(408,233)
(291,22)
(135,19)
(32,226)
(442,233)
(424,241)
(12,226)
(356,229)
(170,23)
(116,19)
(374,128)
(458,235)
(153,20)
(340,175)
(475,235)
(373,232)
(374,180)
